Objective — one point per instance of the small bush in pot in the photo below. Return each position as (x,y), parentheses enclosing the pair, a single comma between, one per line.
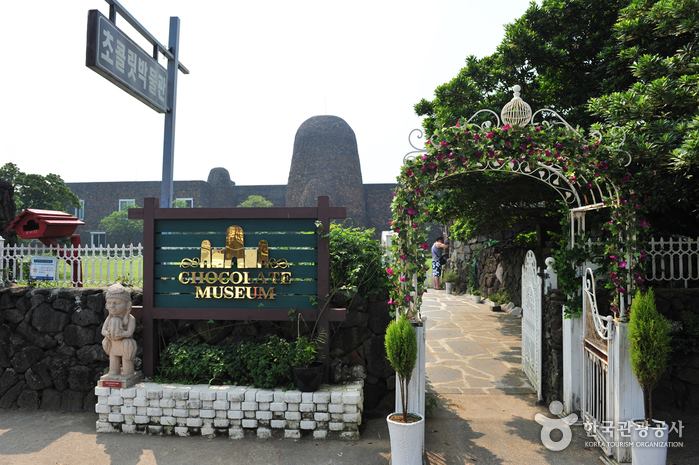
(449,277)
(406,430)
(649,338)
(308,371)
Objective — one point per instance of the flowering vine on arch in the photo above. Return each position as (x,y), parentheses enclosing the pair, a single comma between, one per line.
(585,172)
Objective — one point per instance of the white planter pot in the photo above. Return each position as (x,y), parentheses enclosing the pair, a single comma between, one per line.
(649,445)
(407,441)
(449,287)
(476,299)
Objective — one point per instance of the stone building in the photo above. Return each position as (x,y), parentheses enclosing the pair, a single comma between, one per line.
(325,161)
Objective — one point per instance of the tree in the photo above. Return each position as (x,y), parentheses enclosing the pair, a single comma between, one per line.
(660,110)
(256,201)
(560,52)
(36,191)
(120,229)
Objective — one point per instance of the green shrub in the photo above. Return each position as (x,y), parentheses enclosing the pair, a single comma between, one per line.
(196,363)
(305,352)
(356,261)
(450,276)
(401,352)
(266,364)
(500,297)
(649,338)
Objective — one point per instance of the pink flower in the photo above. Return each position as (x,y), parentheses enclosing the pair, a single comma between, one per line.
(506,127)
(411,212)
(644,224)
(490,135)
(444,143)
(476,137)
(424,246)
(408,298)
(424,157)
(458,123)
(389,271)
(613,257)
(403,258)
(623,264)
(409,172)
(402,278)
(391,302)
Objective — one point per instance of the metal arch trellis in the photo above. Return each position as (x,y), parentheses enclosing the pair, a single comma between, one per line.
(581,195)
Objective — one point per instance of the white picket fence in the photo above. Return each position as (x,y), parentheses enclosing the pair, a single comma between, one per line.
(87,265)
(673,260)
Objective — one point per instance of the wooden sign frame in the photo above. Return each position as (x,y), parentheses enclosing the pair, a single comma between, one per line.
(150,313)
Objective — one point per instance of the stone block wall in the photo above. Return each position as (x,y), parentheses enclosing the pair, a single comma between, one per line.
(51,354)
(233,411)
(50,347)
(679,386)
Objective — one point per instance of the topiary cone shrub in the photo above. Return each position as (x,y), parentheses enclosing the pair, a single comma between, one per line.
(649,337)
(401,352)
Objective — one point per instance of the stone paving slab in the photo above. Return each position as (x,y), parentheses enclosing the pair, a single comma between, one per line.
(485,407)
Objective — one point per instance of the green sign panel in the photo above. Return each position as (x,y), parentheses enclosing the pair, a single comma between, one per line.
(235,263)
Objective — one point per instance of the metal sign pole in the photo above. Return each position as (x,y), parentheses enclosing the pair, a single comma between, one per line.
(166,186)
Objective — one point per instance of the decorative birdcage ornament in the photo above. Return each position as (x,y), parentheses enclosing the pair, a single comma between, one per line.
(516,112)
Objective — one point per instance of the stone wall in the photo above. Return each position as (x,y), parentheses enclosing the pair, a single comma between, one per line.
(496,268)
(51,354)
(680,384)
(233,411)
(50,347)
(552,347)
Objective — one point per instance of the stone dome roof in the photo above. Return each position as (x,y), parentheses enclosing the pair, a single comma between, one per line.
(219,176)
(326,162)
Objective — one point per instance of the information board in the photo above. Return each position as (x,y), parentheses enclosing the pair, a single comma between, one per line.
(43,268)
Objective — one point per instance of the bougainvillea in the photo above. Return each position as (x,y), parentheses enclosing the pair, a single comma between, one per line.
(584,165)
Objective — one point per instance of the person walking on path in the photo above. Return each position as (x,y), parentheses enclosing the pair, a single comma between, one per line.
(438,259)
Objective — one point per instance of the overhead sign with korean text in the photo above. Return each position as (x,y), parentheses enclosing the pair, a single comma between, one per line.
(113,55)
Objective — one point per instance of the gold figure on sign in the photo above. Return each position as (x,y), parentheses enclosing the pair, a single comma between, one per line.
(235,246)
(262,254)
(205,261)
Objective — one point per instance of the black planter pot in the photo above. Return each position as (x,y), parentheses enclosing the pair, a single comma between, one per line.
(308,379)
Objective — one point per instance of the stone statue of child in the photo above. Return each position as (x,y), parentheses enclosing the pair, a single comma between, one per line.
(118,329)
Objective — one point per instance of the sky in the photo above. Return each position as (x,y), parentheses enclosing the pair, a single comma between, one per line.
(258,70)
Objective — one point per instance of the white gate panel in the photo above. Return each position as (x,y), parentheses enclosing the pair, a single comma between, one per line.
(531,321)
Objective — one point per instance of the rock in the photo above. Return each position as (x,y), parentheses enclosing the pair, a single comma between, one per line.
(92,353)
(38,377)
(35,337)
(80,379)
(72,401)
(78,336)
(378,317)
(6,301)
(689,375)
(26,357)
(23,304)
(28,400)
(59,374)
(50,399)
(48,320)
(8,399)
(376,358)
(86,316)
(95,302)
(13,315)
(355,318)
(517,311)
(36,297)
(63,305)
(4,357)
(8,379)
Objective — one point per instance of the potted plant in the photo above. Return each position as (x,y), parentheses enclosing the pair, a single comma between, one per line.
(406,430)
(649,338)
(307,370)
(449,277)
(475,295)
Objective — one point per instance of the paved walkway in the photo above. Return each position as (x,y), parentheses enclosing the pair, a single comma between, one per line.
(482,404)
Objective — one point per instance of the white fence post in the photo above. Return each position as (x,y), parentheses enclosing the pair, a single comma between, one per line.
(627,396)
(572,363)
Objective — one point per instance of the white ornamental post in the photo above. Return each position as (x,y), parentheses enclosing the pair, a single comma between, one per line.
(2,261)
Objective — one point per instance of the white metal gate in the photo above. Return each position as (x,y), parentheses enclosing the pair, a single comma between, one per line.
(596,405)
(531,321)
